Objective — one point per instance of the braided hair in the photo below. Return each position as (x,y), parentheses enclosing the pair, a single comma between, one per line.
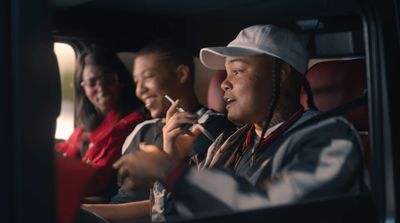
(276,89)
(276,79)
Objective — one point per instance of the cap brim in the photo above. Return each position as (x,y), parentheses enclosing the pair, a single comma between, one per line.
(214,57)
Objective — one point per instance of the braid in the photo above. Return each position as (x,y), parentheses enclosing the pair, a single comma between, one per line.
(307,89)
(276,82)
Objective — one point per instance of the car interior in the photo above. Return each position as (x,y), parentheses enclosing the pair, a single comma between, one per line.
(336,43)
(354,49)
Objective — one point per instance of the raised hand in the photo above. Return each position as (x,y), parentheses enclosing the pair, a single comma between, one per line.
(139,170)
(178,140)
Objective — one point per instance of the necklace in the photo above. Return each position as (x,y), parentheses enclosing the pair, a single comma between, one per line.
(265,142)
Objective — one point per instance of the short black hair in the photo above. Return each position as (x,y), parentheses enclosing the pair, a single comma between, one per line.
(171,51)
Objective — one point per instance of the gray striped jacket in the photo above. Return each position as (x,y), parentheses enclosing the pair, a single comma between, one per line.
(319,160)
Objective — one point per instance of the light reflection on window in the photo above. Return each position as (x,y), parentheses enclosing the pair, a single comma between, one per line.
(66,62)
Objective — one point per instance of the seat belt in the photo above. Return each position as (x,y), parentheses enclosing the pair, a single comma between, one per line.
(341,110)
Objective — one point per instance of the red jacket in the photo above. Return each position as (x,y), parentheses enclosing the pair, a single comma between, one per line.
(104,146)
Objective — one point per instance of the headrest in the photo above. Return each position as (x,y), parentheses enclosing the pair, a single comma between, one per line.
(215,99)
(335,83)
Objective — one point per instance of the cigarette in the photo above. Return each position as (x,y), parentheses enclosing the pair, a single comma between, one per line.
(201,128)
(172,102)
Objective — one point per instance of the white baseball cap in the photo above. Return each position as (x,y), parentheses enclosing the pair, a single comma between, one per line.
(260,39)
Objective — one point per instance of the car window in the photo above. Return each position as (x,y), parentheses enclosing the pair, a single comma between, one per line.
(66,62)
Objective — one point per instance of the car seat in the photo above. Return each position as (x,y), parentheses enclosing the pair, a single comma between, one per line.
(338,82)
(72,178)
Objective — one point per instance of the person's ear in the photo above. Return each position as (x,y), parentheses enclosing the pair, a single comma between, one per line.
(289,83)
(183,73)
(286,71)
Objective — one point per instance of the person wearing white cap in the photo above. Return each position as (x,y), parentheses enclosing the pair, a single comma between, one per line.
(280,155)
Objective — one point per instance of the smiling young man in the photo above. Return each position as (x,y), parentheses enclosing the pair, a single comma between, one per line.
(161,68)
(279,156)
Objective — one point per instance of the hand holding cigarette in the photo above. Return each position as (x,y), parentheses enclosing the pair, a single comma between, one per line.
(172,102)
(194,125)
